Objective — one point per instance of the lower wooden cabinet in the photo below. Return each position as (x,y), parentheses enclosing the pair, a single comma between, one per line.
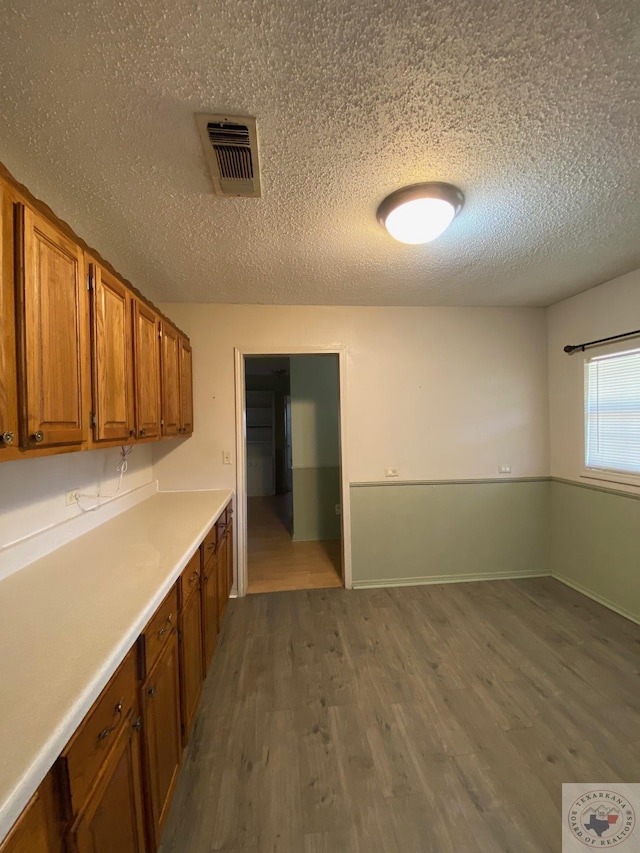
(229,551)
(110,789)
(38,829)
(113,817)
(223,575)
(191,668)
(162,738)
(210,621)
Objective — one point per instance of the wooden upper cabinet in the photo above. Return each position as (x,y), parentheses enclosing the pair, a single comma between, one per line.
(186,387)
(146,352)
(171,409)
(8,388)
(52,326)
(112,350)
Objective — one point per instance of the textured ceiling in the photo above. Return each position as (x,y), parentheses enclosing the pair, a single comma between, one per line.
(531,107)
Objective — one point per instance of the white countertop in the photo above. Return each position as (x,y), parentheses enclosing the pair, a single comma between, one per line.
(68,620)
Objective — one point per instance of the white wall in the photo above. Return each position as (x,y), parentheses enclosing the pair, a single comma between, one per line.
(610,309)
(315,426)
(32,496)
(439,393)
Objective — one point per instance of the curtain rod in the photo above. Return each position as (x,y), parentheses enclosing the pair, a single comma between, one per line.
(570,348)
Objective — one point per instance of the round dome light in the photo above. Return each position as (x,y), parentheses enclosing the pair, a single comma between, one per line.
(421,212)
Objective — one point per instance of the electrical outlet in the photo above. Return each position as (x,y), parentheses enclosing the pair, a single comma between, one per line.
(71,497)
(338,509)
(226,457)
(390,472)
(504,469)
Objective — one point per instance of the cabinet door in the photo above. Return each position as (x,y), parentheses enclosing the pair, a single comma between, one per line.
(186,387)
(162,736)
(190,661)
(113,816)
(146,352)
(112,349)
(229,555)
(170,380)
(223,577)
(209,609)
(37,830)
(53,324)
(8,389)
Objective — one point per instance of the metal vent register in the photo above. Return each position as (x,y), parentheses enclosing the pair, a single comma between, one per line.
(231,149)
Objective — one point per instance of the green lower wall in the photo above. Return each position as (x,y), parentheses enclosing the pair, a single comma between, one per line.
(316,491)
(595,544)
(439,532)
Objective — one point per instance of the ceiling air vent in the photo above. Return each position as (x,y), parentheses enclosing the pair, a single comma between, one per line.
(231,149)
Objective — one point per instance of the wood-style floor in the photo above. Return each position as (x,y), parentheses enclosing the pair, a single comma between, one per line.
(434,718)
(275,562)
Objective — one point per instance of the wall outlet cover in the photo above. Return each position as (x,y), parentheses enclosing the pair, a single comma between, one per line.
(390,472)
(71,497)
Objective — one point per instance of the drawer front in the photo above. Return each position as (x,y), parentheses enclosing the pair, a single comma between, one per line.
(190,578)
(96,735)
(160,628)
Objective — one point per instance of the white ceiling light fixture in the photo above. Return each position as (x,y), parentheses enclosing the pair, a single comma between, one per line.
(421,212)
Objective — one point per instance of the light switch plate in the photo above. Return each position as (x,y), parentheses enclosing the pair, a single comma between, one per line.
(226,457)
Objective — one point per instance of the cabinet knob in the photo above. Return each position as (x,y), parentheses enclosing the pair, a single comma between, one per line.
(8,437)
(153,691)
(167,625)
(117,714)
(137,725)
(143,432)
(194,577)
(132,433)
(38,437)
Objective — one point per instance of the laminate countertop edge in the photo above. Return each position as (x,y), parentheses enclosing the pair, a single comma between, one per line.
(69,619)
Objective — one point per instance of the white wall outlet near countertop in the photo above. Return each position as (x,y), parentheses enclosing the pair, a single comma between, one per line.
(71,497)
(390,472)
(504,469)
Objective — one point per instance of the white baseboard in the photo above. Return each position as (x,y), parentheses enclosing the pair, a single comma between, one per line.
(434,579)
(633,617)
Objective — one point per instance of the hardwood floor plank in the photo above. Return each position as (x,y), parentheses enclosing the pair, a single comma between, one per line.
(277,563)
(439,719)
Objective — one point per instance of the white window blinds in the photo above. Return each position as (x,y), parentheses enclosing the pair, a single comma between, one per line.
(612,412)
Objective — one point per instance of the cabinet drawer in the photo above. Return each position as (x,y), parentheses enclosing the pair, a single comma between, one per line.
(88,748)
(160,627)
(190,578)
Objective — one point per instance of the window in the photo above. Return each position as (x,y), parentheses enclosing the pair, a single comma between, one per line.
(612,412)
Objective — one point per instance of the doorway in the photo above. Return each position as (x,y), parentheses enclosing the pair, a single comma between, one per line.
(293,482)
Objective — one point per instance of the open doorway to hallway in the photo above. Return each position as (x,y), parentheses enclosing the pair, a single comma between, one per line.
(292,451)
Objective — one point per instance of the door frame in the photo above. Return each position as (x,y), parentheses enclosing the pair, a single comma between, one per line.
(241,466)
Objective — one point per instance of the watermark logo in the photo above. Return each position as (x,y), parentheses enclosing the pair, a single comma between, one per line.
(600,816)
